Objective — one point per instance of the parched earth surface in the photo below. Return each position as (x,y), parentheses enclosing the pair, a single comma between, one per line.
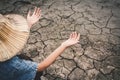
(96,57)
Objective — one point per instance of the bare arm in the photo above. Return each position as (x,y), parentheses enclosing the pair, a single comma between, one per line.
(73,39)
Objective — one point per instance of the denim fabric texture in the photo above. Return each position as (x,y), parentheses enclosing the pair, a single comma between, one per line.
(18,69)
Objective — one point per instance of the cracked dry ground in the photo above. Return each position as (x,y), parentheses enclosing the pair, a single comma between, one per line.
(96,57)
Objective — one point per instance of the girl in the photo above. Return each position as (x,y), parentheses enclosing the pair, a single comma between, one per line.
(14,32)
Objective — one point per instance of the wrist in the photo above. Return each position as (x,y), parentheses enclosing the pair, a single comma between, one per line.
(29,24)
(63,45)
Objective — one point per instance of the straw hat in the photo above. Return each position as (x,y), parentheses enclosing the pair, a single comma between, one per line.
(14,33)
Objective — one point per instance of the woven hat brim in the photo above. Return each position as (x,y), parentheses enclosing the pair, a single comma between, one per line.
(12,41)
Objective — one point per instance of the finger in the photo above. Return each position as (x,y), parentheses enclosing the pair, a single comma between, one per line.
(71,36)
(38,11)
(35,9)
(75,35)
(78,36)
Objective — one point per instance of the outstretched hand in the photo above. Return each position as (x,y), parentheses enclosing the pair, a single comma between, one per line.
(73,39)
(32,19)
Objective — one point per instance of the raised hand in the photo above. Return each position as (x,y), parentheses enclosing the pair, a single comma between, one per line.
(73,39)
(32,19)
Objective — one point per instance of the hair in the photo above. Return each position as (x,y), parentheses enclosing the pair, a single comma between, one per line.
(13,35)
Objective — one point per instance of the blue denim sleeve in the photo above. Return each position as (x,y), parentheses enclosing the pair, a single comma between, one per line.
(18,69)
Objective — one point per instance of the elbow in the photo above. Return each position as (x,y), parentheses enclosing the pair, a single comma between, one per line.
(42,66)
